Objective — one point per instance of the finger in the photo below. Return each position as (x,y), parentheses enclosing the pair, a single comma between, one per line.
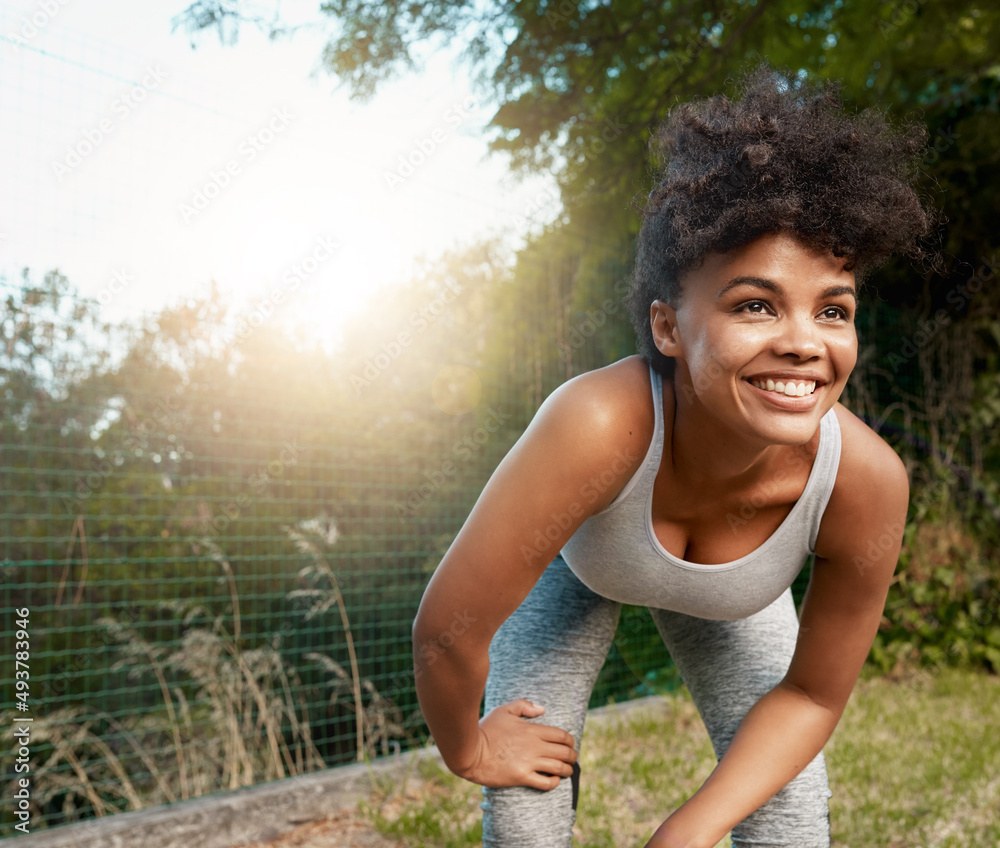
(524,707)
(554,767)
(556,735)
(559,752)
(541,781)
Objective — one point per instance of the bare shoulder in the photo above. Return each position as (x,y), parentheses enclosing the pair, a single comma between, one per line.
(871,490)
(866,459)
(599,419)
(611,405)
(608,397)
(592,426)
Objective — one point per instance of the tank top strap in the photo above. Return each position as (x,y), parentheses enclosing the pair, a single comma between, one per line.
(824,474)
(656,382)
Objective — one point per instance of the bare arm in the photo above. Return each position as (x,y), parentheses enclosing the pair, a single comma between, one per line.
(788,727)
(516,527)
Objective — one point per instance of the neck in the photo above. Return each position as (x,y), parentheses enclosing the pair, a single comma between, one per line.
(706,455)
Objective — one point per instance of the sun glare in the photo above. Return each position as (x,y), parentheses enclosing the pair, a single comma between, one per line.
(234,166)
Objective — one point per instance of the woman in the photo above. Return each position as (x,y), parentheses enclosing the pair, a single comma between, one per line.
(696,479)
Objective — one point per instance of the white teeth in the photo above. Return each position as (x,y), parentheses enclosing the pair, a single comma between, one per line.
(789,389)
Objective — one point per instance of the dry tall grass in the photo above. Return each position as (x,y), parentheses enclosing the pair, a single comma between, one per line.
(231,716)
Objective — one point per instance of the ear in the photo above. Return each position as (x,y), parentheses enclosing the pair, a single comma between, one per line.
(666,335)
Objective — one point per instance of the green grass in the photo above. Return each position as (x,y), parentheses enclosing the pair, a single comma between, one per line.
(913,764)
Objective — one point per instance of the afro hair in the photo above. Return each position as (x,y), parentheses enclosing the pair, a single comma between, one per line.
(783,157)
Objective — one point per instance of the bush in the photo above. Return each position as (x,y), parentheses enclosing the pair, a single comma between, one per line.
(944,603)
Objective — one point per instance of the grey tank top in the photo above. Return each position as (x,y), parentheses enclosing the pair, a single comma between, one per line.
(616,553)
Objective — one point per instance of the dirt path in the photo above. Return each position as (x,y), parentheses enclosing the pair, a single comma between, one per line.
(345,829)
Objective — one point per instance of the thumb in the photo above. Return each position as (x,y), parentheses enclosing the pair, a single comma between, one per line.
(524,707)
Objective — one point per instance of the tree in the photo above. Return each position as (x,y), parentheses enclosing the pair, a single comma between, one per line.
(568,76)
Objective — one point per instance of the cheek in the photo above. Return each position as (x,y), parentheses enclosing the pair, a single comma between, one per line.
(730,350)
(846,356)
(712,361)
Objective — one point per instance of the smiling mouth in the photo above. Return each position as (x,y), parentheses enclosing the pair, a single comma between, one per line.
(789,388)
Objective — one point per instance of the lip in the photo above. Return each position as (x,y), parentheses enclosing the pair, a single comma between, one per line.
(784,376)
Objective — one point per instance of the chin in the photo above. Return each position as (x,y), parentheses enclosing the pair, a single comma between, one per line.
(792,433)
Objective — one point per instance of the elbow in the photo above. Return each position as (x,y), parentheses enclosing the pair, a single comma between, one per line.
(421,630)
(823,702)
(454,635)
(417,628)
(426,623)
(425,653)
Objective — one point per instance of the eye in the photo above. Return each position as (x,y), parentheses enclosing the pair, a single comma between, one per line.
(836,313)
(753,307)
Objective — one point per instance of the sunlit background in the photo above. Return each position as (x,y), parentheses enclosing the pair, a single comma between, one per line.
(180,161)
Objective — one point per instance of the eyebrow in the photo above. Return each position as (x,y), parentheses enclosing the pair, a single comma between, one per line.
(771,285)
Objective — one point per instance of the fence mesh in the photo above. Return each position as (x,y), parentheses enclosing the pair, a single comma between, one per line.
(215,530)
(220,575)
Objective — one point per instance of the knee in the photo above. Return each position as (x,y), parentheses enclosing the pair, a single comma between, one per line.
(520,817)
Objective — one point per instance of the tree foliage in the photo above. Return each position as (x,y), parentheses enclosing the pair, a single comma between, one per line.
(578,86)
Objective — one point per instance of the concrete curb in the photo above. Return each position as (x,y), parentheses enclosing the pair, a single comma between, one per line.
(264,812)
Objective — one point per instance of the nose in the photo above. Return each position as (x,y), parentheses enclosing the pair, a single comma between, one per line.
(798,336)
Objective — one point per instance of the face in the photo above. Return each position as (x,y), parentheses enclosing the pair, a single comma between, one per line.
(763,338)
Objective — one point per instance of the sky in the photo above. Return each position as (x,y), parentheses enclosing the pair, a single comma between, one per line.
(143,167)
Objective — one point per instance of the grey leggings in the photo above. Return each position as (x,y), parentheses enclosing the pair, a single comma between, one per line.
(550,652)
